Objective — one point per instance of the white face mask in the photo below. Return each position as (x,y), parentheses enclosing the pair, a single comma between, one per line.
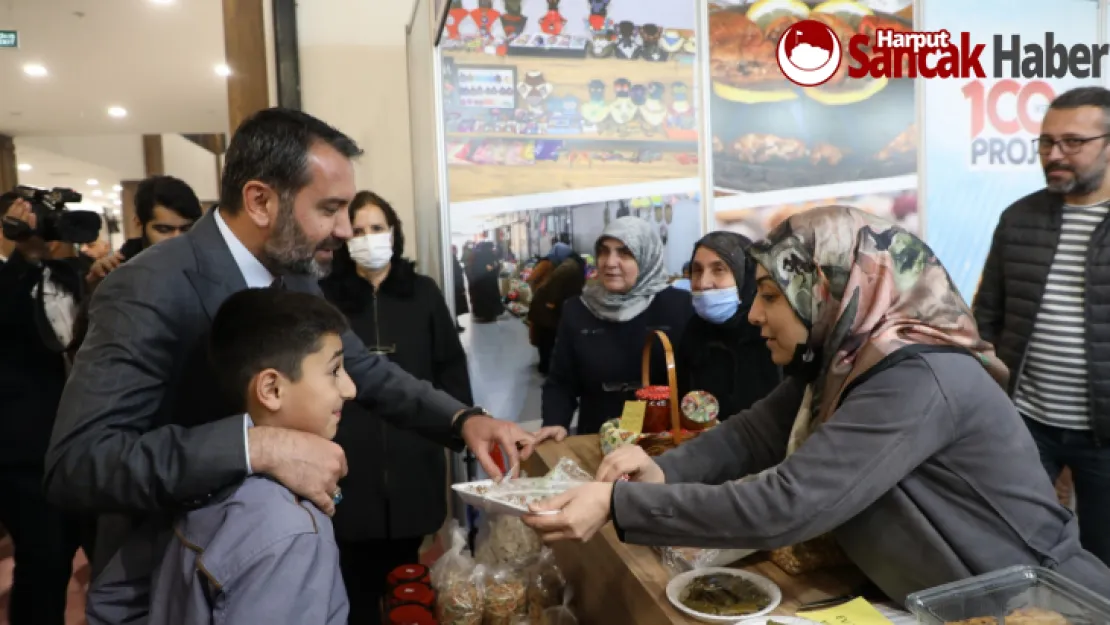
(372,251)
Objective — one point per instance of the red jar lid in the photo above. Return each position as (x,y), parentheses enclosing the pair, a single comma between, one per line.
(413,593)
(654,393)
(411,615)
(408,574)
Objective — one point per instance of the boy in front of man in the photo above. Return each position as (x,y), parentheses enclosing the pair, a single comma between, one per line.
(261,555)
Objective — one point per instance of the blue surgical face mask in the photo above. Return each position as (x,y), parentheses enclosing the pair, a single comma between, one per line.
(717,305)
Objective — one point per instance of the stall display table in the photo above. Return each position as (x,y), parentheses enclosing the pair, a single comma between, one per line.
(618,583)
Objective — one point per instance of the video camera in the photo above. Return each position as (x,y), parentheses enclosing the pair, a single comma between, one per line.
(53,221)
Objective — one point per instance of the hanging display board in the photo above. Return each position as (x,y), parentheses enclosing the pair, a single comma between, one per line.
(543,97)
(979,156)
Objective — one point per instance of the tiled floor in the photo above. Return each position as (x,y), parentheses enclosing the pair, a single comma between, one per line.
(505,382)
(503,372)
(75,610)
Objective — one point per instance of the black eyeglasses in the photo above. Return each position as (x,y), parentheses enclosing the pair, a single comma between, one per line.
(1068,145)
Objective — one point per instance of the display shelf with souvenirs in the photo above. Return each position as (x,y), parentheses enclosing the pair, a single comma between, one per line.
(770,134)
(603,96)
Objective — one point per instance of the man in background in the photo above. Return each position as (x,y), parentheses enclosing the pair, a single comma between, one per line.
(34,327)
(165,207)
(1043,302)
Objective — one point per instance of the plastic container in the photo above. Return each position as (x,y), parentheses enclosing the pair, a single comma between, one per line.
(408,574)
(1004,593)
(412,594)
(411,615)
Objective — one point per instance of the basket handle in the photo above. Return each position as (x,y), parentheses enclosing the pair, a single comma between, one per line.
(672,377)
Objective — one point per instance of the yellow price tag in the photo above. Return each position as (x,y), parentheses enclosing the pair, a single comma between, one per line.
(632,419)
(855,612)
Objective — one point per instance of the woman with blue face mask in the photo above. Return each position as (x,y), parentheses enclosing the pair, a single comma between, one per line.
(720,352)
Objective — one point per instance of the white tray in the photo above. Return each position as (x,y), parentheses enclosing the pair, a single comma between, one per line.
(678,584)
(510,498)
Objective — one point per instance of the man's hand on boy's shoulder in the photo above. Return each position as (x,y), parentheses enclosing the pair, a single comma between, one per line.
(309,465)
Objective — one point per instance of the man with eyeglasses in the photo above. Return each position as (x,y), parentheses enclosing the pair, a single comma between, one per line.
(1044,302)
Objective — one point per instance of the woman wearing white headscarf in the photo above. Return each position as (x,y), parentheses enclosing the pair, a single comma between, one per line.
(596,362)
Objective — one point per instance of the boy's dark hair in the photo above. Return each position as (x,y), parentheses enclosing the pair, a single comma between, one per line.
(258,329)
(173,193)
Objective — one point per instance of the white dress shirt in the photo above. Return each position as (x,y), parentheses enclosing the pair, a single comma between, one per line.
(256,276)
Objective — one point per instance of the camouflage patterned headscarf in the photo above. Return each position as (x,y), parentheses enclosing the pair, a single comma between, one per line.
(866,288)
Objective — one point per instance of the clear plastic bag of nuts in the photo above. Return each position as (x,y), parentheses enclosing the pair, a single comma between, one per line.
(505,596)
(546,586)
(459,583)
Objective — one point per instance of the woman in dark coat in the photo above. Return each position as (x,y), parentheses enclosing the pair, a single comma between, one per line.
(485,290)
(564,282)
(601,334)
(721,352)
(395,490)
(461,305)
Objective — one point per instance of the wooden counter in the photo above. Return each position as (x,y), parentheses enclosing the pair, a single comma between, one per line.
(618,583)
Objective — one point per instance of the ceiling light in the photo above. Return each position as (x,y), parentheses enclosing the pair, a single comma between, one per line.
(223,70)
(117,111)
(117,203)
(117,188)
(162,1)
(24,167)
(113,196)
(97,193)
(92,182)
(35,70)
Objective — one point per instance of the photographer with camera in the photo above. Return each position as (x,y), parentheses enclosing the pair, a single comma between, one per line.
(38,301)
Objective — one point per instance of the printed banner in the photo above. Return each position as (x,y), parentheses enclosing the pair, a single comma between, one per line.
(979,153)
(786,113)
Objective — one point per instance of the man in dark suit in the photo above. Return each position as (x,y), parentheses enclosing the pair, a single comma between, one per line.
(141,431)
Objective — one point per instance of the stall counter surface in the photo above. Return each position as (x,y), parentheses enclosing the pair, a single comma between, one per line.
(618,583)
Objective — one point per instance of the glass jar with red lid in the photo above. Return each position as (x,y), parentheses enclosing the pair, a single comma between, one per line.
(409,574)
(657,414)
(411,615)
(412,594)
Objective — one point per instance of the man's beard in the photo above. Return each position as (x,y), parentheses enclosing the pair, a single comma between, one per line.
(288,251)
(1081,183)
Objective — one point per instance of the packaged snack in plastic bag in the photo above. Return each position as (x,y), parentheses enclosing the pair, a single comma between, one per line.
(560,615)
(507,540)
(505,596)
(546,586)
(567,470)
(682,559)
(459,583)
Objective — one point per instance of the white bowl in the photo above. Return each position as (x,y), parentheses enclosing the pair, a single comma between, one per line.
(785,620)
(679,583)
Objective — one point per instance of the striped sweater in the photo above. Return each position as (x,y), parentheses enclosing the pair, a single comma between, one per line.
(1053,385)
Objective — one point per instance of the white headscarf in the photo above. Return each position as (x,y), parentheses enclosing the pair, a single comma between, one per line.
(647,248)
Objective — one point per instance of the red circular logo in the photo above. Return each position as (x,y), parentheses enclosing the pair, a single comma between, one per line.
(809,53)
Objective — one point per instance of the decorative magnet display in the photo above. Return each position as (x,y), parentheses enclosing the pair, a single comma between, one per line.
(534,90)
(628,45)
(553,22)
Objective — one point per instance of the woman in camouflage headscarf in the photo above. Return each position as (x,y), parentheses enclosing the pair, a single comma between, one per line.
(862,289)
(888,432)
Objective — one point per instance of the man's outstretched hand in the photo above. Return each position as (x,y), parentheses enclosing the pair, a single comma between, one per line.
(483,433)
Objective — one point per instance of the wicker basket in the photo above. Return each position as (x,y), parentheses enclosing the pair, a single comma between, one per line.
(656,444)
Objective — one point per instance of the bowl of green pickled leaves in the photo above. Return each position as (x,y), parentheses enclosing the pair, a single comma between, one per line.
(721,595)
